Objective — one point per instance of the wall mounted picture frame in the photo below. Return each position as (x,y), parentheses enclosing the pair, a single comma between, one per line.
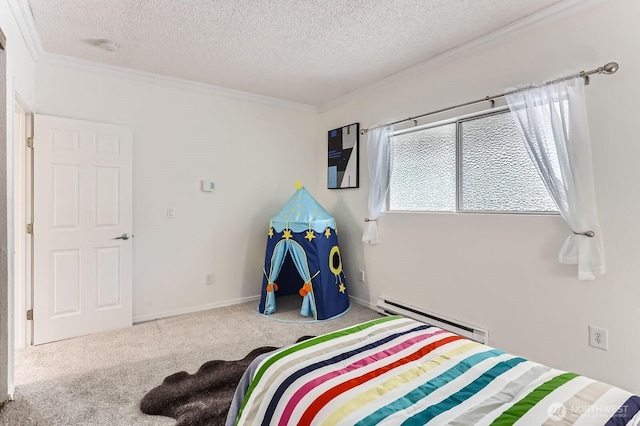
(343,157)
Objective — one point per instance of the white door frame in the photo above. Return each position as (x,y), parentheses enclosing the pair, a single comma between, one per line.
(23,215)
(6,290)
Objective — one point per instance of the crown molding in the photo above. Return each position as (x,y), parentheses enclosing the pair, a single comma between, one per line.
(163,80)
(27,26)
(542,18)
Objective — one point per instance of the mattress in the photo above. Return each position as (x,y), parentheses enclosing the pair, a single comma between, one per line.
(397,371)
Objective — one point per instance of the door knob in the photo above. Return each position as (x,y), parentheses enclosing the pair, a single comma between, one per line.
(124,236)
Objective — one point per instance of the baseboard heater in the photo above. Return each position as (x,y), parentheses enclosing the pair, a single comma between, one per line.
(392,307)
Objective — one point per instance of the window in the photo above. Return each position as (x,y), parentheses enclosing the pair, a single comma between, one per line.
(473,164)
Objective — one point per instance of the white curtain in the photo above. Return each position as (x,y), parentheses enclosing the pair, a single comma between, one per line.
(553,120)
(379,153)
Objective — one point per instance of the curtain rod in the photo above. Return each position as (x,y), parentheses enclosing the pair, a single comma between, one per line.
(609,68)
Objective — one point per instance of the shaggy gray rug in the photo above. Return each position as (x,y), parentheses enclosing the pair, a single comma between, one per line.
(203,398)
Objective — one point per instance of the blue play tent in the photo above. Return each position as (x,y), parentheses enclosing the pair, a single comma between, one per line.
(303,257)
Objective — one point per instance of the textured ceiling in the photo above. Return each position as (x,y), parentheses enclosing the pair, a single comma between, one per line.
(308,51)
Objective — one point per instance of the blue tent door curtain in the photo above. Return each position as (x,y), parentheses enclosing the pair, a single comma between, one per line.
(302,256)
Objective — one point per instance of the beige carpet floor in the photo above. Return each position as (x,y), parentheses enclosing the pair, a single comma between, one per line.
(100,379)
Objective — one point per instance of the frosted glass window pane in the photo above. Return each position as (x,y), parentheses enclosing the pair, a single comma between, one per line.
(424,170)
(497,173)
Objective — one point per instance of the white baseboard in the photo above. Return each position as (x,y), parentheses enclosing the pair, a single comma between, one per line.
(364,303)
(167,314)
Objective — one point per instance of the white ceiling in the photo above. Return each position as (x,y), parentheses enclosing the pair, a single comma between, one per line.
(308,51)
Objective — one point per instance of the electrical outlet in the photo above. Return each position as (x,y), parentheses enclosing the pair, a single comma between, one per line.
(598,338)
(209,279)
(360,275)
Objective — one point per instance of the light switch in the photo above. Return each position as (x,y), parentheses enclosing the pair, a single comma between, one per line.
(171,213)
(207,186)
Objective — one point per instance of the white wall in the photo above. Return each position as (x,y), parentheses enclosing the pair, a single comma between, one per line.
(500,271)
(19,80)
(253,152)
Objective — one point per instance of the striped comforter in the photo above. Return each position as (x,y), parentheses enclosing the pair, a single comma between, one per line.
(395,370)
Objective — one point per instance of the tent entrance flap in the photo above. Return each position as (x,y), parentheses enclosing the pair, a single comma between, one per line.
(289,280)
(289,268)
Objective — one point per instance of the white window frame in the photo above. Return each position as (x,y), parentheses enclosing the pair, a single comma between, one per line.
(458,150)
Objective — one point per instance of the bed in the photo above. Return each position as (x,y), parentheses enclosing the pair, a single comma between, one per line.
(395,370)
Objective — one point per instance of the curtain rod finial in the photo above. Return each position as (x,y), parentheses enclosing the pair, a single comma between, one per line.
(611,67)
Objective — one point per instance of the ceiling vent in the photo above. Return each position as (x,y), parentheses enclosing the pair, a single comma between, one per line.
(108,45)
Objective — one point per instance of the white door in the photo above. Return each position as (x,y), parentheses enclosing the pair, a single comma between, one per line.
(82,274)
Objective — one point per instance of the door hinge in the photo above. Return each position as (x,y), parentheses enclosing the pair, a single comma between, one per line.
(30,228)
(29,142)
(30,315)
